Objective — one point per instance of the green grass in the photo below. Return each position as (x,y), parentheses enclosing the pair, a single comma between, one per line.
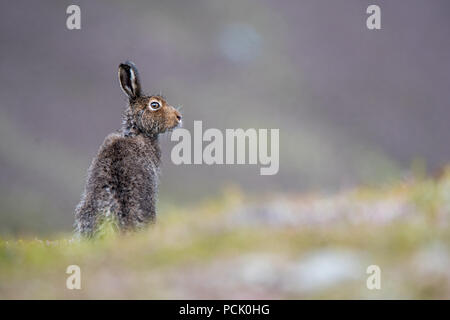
(236,247)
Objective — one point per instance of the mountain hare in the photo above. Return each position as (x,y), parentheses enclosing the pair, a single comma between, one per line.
(122,180)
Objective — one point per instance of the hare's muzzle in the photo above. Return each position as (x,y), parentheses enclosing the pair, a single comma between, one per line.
(175,118)
(177,115)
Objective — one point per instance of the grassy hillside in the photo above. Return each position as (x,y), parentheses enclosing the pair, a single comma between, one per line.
(278,246)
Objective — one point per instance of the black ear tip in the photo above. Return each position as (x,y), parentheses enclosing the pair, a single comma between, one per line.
(124,66)
(129,64)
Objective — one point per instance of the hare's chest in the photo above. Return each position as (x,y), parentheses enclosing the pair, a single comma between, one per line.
(150,170)
(147,160)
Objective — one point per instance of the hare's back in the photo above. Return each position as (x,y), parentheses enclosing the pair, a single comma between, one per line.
(128,162)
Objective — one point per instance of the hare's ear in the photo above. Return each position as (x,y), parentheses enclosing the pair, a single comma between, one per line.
(129,80)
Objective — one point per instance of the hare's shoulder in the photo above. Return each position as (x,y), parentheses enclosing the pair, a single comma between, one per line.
(116,147)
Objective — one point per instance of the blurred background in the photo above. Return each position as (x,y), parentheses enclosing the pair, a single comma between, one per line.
(353,106)
(363,119)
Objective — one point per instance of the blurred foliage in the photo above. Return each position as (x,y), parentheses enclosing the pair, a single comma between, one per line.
(270,246)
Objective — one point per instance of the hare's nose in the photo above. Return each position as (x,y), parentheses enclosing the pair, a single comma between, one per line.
(178,115)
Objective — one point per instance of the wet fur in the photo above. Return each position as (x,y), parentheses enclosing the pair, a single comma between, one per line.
(123,178)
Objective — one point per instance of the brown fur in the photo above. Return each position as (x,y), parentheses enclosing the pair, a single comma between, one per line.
(123,178)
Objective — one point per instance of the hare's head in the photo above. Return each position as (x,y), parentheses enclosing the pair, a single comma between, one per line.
(150,114)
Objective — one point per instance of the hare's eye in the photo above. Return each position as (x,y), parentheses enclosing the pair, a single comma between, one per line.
(155,105)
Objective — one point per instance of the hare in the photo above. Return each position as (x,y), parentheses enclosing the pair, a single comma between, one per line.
(122,181)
